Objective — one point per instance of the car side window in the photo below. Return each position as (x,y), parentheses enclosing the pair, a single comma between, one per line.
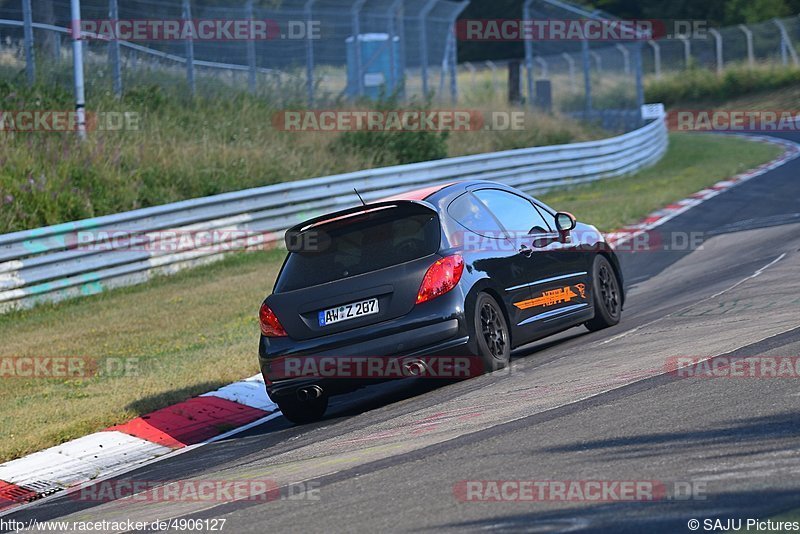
(517,215)
(549,218)
(473,215)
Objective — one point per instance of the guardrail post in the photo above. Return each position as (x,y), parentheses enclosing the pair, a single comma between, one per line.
(656,57)
(113,48)
(30,61)
(251,49)
(748,36)
(718,49)
(77,68)
(309,54)
(187,16)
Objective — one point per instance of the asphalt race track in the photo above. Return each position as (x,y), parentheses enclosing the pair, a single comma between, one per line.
(582,406)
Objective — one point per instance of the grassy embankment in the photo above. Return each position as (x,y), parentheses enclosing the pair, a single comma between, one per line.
(186,149)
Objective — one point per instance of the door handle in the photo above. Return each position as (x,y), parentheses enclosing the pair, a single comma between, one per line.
(525,251)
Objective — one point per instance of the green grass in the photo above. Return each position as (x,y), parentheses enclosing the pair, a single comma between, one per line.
(197,330)
(192,148)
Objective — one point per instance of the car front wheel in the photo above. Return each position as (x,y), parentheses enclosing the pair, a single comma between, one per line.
(607,295)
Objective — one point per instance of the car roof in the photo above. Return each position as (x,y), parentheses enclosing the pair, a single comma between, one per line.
(418,194)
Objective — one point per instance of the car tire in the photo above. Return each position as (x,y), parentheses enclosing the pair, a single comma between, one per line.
(491,333)
(606,295)
(302,412)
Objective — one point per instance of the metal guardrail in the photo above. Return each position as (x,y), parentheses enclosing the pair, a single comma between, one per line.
(86,257)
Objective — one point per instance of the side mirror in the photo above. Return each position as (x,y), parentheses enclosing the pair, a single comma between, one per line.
(565,221)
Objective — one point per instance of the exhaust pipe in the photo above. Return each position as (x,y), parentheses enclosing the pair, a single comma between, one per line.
(415,368)
(309,393)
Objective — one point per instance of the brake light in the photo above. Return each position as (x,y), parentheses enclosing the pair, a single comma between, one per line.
(270,325)
(440,278)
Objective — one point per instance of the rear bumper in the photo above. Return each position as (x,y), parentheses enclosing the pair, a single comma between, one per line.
(435,329)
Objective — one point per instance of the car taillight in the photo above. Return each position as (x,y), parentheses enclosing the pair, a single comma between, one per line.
(270,325)
(441,277)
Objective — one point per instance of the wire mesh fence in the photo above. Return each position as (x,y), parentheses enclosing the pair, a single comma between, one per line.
(296,51)
(602,78)
(593,78)
(326,52)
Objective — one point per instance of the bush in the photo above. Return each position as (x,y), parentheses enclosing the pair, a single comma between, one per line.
(392,147)
(698,85)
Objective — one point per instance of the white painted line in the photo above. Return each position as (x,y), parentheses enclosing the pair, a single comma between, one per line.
(250,392)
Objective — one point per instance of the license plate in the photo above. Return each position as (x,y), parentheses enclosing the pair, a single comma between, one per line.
(348,311)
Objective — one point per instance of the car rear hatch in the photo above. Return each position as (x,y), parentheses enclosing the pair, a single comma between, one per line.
(339,263)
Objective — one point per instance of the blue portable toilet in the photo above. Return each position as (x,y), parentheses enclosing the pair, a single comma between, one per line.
(378,73)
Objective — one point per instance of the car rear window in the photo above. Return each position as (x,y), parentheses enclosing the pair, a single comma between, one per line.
(360,244)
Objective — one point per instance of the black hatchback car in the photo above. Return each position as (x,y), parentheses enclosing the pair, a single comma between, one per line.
(454,275)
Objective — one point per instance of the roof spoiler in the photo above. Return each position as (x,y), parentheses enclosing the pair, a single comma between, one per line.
(293,237)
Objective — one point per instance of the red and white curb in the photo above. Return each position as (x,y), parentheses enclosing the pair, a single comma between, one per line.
(231,409)
(659,217)
(115,450)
